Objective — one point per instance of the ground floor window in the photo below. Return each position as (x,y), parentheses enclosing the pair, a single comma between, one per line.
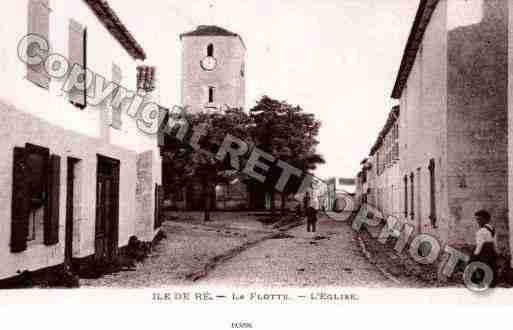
(159,201)
(35,197)
(432,192)
(412,196)
(37,171)
(405,196)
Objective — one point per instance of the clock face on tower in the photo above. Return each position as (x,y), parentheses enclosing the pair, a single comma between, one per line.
(208,63)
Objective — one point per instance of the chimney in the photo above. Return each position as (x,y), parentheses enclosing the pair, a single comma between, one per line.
(146,78)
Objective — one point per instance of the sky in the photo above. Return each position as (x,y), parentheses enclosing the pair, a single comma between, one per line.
(337,59)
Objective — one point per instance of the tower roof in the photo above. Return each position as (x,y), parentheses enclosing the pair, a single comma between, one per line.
(211,30)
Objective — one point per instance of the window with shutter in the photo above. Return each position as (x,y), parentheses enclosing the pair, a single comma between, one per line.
(117,77)
(37,161)
(51,225)
(405,196)
(412,193)
(159,199)
(77,55)
(38,23)
(432,192)
(35,200)
(20,202)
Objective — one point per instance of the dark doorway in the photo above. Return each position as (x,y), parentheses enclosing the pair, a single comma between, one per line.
(107,209)
(257,199)
(257,193)
(70,196)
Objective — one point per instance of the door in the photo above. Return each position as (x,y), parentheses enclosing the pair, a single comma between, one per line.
(70,187)
(258,200)
(107,203)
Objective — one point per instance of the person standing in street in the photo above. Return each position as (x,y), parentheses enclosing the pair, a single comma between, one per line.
(486,243)
(311,219)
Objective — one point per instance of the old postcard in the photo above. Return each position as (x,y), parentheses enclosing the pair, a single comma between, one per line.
(324,154)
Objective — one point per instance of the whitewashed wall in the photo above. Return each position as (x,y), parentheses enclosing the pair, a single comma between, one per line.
(30,114)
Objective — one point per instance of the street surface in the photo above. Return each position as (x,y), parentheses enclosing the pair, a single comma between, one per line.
(236,250)
(329,257)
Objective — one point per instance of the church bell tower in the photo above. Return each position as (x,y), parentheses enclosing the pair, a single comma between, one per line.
(213,69)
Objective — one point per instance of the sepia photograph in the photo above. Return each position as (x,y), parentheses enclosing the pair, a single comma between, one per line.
(271,153)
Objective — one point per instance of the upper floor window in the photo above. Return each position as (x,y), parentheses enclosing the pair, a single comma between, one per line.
(117,74)
(210,50)
(117,77)
(77,45)
(39,24)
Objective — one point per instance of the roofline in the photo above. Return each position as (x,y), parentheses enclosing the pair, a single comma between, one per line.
(393,115)
(117,29)
(422,19)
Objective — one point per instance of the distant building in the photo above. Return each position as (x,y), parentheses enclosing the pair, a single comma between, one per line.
(384,155)
(232,195)
(361,190)
(336,188)
(322,195)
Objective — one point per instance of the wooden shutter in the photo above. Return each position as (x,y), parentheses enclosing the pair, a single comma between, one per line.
(117,76)
(432,192)
(406,197)
(39,23)
(412,193)
(20,202)
(77,56)
(51,225)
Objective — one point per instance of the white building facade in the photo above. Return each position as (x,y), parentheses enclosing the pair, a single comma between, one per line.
(78,179)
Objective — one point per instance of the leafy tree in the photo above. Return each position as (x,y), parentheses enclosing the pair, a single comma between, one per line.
(284,131)
(289,134)
(192,159)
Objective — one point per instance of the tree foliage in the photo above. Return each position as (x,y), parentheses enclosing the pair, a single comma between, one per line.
(289,134)
(282,130)
(192,159)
